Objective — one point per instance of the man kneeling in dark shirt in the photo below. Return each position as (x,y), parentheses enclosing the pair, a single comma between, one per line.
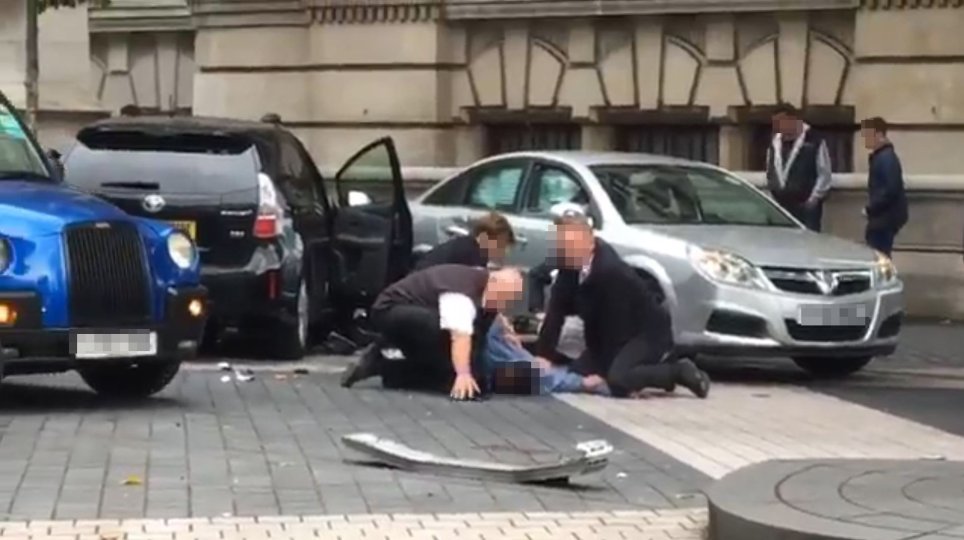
(438,318)
(628,332)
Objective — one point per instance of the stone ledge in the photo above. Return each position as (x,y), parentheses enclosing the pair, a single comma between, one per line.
(495,9)
(839,499)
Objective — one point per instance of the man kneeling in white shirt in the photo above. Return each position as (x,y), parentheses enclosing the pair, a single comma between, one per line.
(439,318)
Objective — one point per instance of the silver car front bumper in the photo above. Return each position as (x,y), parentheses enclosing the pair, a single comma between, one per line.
(734,321)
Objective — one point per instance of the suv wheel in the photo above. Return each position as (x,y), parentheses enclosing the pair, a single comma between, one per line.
(130,380)
(832,368)
(291,341)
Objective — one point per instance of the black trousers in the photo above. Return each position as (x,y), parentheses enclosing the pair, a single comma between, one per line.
(881,239)
(643,362)
(427,348)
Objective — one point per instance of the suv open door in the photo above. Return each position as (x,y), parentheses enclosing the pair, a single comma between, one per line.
(372,225)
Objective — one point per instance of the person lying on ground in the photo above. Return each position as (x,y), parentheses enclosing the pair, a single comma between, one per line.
(628,332)
(438,317)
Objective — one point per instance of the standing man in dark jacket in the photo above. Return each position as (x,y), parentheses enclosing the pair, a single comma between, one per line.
(798,167)
(629,334)
(886,209)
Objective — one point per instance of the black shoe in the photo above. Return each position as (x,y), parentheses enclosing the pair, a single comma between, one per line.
(692,378)
(365,368)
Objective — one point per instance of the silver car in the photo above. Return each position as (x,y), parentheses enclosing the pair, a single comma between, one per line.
(740,275)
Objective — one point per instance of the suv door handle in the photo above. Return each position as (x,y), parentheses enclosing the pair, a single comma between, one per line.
(519,239)
(455,230)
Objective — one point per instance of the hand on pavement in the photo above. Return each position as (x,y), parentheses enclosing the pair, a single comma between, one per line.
(465,387)
(591,383)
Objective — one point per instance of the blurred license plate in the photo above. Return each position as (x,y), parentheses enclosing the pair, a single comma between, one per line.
(136,343)
(832,315)
(189,228)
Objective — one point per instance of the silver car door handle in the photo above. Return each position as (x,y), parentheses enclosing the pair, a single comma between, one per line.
(521,240)
(455,230)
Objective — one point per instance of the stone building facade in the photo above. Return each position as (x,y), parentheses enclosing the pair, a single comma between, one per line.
(454,80)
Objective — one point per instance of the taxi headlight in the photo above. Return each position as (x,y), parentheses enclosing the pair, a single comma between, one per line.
(725,267)
(181,250)
(6,254)
(885,273)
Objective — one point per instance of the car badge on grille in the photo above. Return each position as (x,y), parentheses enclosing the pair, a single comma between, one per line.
(101,225)
(826,281)
(153,203)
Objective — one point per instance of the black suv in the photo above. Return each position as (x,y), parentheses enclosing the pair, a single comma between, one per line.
(278,255)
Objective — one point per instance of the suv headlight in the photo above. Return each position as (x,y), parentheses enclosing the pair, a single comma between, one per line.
(6,254)
(885,273)
(181,249)
(726,267)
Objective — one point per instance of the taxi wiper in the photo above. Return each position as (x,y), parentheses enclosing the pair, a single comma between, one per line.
(23,175)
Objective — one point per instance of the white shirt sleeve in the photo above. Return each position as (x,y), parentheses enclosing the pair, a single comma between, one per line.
(456,313)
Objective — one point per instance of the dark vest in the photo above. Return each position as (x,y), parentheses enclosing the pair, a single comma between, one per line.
(424,287)
(802,176)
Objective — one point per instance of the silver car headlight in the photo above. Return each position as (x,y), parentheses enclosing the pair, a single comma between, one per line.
(885,273)
(181,249)
(6,254)
(725,267)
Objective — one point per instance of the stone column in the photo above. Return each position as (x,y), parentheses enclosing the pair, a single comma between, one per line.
(13,61)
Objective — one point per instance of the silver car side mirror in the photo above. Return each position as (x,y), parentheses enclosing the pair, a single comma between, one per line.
(565,209)
(358,198)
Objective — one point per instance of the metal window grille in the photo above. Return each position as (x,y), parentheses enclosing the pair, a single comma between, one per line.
(504,138)
(698,143)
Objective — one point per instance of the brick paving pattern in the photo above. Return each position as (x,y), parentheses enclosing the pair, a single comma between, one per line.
(619,525)
(270,447)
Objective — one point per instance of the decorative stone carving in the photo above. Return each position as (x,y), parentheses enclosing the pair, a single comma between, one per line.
(151,70)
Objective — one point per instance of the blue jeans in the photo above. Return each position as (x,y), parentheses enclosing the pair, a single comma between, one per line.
(499,350)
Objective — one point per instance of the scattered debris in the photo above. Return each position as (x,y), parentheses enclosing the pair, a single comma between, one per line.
(301,371)
(590,456)
(280,377)
(226,514)
(621,475)
(243,375)
(224,366)
(225,378)
(934,457)
(133,480)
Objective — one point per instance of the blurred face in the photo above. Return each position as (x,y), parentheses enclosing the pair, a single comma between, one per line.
(573,245)
(785,124)
(504,288)
(495,247)
(871,138)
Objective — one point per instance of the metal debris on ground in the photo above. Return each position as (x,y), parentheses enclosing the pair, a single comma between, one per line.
(280,377)
(243,375)
(588,457)
(225,378)
(224,366)
(301,371)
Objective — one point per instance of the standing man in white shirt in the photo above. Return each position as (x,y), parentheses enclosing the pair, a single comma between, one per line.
(798,171)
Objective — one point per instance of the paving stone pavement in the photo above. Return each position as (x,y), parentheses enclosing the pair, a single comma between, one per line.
(618,525)
(270,447)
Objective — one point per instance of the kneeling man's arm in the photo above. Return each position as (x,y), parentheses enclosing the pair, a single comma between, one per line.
(457,315)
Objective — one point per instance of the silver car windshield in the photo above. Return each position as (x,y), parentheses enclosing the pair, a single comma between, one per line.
(18,156)
(685,195)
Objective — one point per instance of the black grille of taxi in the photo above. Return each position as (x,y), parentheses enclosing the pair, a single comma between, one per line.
(108,277)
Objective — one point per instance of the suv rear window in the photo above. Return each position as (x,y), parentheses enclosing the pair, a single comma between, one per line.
(179,163)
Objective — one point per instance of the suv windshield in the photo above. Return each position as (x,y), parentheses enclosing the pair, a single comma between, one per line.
(19,158)
(179,163)
(684,195)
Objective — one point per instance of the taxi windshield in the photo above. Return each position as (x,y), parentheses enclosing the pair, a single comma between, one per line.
(19,158)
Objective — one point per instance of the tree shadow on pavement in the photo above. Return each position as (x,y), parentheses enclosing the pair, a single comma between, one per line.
(30,397)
